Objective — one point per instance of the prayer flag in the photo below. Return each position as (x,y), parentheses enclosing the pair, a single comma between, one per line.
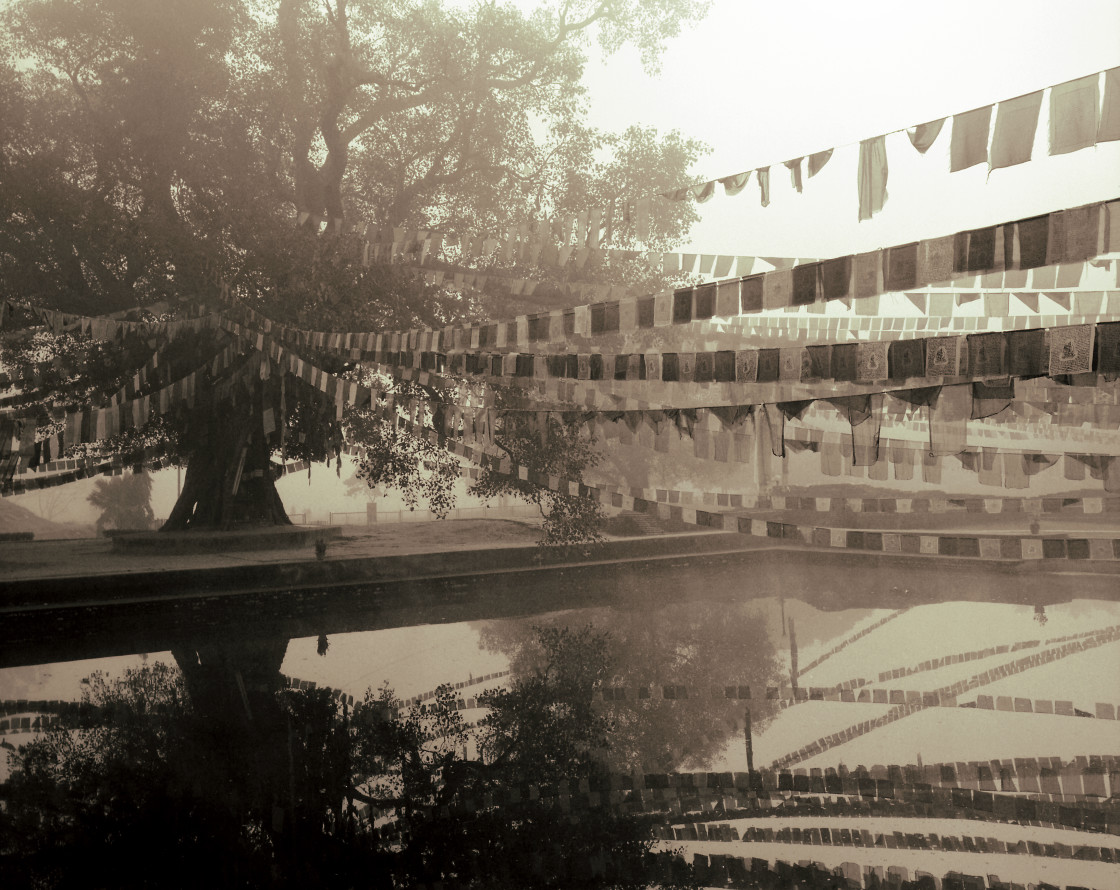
(943,356)
(991,399)
(969,143)
(872,176)
(817,161)
(948,419)
(1073,114)
(764,185)
(732,185)
(871,361)
(1025,353)
(805,284)
(795,172)
(1108,347)
(1016,123)
(924,135)
(836,277)
(935,261)
(906,359)
(1109,129)
(900,267)
(777,289)
(1071,349)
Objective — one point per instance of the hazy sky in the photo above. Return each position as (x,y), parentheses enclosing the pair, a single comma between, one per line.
(766,82)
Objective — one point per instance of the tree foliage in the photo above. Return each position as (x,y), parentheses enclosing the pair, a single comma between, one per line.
(125,502)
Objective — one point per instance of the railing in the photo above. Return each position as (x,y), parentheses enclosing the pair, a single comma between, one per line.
(514,511)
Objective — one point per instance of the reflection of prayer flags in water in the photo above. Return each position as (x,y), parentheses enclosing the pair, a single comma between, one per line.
(1071,349)
(831,463)
(990,470)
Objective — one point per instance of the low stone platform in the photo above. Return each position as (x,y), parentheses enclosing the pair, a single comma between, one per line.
(280,537)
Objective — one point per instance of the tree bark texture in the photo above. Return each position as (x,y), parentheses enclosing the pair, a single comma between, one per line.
(229,480)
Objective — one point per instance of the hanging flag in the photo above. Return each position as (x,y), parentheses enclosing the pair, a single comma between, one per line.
(764,185)
(943,356)
(703,193)
(836,277)
(641,219)
(872,176)
(1071,349)
(948,419)
(969,143)
(1109,129)
(1016,124)
(817,161)
(900,267)
(924,135)
(1073,114)
(732,185)
(990,399)
(795,172)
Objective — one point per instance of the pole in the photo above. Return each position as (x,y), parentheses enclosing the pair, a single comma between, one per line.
(750,742)
(792,655)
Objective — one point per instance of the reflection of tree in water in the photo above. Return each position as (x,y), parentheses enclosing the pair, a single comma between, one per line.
(705,647)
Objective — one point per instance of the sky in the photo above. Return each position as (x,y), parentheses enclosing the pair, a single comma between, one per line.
(763,83)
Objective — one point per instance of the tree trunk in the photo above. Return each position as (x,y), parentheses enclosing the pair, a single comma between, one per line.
(229,480)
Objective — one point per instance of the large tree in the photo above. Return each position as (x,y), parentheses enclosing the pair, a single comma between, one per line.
(153,148)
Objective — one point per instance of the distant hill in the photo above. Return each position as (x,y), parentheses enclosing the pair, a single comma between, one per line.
(14,518)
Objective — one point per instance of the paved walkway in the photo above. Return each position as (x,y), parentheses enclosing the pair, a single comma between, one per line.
(95,556)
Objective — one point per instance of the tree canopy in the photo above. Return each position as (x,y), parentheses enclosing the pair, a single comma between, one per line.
(153,148)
